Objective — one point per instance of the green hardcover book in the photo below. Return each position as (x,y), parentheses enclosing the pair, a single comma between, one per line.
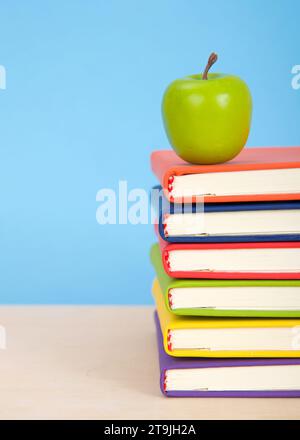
(237,298)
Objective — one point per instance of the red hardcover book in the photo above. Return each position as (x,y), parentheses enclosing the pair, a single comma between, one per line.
(279,260)
(256,174)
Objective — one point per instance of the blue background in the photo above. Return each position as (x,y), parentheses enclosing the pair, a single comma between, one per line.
(82,111)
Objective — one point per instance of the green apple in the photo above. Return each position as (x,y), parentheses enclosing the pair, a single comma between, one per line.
(207,117)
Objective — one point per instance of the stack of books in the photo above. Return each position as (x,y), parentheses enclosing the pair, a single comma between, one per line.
(227,286)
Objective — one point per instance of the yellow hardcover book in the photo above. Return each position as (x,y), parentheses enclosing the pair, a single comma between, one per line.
(193,336)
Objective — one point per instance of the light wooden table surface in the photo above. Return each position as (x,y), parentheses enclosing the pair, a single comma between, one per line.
(99,363)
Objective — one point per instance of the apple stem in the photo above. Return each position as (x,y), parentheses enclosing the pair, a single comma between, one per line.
(211,60)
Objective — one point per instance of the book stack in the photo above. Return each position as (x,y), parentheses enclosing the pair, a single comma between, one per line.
(227,286)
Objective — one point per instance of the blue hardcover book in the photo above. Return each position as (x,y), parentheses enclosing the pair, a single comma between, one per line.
(226,222)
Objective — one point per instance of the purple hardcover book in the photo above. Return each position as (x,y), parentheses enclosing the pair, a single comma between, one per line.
(285,375)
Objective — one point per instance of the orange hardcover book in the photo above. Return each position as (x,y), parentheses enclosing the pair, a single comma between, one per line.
(256,174)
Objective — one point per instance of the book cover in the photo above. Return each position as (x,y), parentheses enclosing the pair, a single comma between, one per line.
(165,209)
(167,248)
(166,164)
